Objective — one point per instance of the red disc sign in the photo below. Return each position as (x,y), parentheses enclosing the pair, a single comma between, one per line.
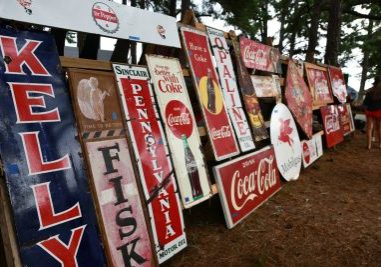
(178,119)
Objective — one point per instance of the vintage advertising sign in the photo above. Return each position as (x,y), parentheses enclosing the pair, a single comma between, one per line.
(229,87)
(151,154)
(249,98)
(96,103)
(264,86)
(52,207)
(346,118)
(332,128)
(312,149)
(121,209)
(259,56)
(246,183)
(286,142)
(299,99)
(339,88)
(319,84)
(101,17)
(209,93)
(180,125)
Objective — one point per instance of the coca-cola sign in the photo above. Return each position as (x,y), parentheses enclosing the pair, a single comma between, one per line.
(346,118)
(312,149)
(245,183)
(179,118)
(332,129)
(319,84)
(339,89)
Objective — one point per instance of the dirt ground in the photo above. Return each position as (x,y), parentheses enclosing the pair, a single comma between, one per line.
(331,216)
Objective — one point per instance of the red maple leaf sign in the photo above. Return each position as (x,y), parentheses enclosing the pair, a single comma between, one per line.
(285,131)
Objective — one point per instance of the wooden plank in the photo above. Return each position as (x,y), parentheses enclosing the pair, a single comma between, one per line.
(81,63)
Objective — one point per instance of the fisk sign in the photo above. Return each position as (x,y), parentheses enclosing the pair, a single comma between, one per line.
(53,214)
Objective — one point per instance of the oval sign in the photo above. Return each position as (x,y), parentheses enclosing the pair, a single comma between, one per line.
(286,142)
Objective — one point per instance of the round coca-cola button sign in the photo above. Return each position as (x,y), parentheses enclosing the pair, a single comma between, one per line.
(179,119)
(105,17)
(306,152)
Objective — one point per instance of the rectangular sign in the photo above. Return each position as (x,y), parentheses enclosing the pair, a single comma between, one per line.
(246,183)
(319,84)
(229,87)
(339,89)
(346,118)
(259,56)
(99,17)
(249,98)
(332,128)
(52,206)
(209,93)
(180,125)
(312,149)
(264,86)
(151,156)
(120,205)
(96,102)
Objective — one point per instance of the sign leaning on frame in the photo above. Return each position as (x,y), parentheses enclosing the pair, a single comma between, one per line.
(100,121)
(209,93)
(180,125)
(152,159)
(52,207)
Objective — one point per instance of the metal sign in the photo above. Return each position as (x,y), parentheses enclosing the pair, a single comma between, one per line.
(151,156)
(118,197)
(339,88)
(209,93)
(99,17)
(299,99)
(346,118)
(332,128)
(229,87)
(246,183)
(319,84)
(286,142)
(249,98)
(312,149)
(180,125)
(52,207)
(96,102)
(259,56)
(264,86)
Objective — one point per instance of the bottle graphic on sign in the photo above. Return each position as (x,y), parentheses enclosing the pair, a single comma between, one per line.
(211,93)
(192,170)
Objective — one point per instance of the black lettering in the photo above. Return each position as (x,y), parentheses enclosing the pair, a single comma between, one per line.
(108,158)
(131,255)
(117,183)
(125,221)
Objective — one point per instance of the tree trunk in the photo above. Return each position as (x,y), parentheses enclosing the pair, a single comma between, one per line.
(172,8)
(185,5)
(333,33)
(292,44)
(365,61)
(313,33)
(264,32)
(90,47)
(60,37)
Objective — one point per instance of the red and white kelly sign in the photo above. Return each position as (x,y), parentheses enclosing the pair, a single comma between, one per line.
(312,149)
(151,155)
(339,89)
(332,128)
(259,56)
(120,204)
(209,93)
(230,89)
(245,183)
(286,142)
(183,137)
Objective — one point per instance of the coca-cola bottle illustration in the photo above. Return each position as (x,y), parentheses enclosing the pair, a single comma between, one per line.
(211,93)
(192,170)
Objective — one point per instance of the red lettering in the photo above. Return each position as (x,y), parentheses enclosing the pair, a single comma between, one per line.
(36,164)
(64,254)
(24,103)
(46,214)
(24,56)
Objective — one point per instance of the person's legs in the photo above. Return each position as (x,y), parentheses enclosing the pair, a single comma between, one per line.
(369,131)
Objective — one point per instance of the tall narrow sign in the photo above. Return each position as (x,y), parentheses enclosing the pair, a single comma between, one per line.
(339,88)
(209,93)
(312,149)
(246,183)
(332,129)
(152,158)
(249,98)
(229,87)
(183,137)
(99,117)
(52,207)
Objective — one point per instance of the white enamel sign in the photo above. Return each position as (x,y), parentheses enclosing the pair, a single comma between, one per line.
(286,142)
(312,149)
